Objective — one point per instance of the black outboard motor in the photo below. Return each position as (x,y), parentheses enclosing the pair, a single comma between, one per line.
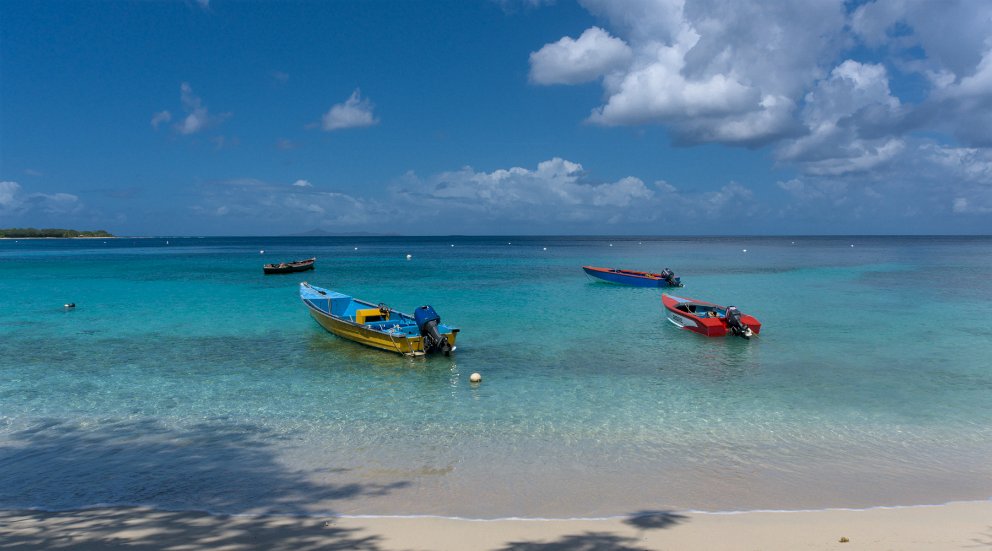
(669,277)
(734,323)
(427,320)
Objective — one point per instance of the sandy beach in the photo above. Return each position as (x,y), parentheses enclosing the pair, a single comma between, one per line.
(962,525)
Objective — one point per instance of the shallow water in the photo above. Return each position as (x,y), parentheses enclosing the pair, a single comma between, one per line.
(186,379)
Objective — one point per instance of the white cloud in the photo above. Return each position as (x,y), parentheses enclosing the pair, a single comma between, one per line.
(355,112)
(160,117)
(16,202)
(197,118)
(559,196)
(525,192)
(755,72)
(196,113)
(854,95)
(8,192)
(569,61)
(713,71)
(242,201)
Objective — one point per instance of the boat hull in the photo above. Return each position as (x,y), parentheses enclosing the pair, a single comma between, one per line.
(289,267)
(628,277)
(691,315)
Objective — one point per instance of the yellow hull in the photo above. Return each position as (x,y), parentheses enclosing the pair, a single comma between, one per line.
(411,346)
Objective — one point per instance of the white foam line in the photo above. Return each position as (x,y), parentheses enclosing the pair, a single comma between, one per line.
(647,513)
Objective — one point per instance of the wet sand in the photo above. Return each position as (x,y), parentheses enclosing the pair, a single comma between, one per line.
(962,525)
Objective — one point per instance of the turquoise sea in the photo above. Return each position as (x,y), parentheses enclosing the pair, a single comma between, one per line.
(185,379)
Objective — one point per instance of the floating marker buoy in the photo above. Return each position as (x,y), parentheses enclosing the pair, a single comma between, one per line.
(166,242)
(356,248)
(261,252)
(545,248)
(743,250)
(409,256)
(852,245)
(611,244)
(475,378)
(69,305)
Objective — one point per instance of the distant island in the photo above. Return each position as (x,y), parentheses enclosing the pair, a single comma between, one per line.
(27,233)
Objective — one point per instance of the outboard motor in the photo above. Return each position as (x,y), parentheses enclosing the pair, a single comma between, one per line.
(427,321)
(669,277)
(735,324)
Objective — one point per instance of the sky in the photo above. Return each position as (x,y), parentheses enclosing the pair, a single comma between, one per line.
(486,117)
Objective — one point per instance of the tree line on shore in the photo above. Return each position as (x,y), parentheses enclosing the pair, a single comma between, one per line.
(51,232)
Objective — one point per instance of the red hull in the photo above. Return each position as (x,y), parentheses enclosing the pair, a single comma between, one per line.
(691,315)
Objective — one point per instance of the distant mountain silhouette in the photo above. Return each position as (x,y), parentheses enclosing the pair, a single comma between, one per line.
(317,232)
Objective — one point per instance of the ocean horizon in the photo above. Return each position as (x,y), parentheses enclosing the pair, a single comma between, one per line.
(185,379)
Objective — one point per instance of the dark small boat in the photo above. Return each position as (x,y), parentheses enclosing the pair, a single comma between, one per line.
(711,320)
(289,267)
(666,278)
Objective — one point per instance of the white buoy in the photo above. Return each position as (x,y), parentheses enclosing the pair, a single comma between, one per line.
(261,252)
(409,256)
(852,245)
(743,250)
(356,248)
(166,242)
(452,244)
(69,306)
(611,244)
(475,378)
(545,248)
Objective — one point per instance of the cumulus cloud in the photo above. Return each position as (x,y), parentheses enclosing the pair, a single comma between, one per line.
(14,201)
(197,118)
(753,72)
(160,117)
(355,112)
(559,196)
(713,71)
(197,115)
(242,201)
(521,192)
(853,97)
(569,61)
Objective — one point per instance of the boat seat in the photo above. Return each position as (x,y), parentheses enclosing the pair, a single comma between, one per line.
(367,315)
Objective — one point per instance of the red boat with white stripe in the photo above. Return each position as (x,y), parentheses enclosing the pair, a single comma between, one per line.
(709,319)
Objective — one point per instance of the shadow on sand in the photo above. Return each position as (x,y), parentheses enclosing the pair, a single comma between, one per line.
(605,541)
(99,480)
(144,529)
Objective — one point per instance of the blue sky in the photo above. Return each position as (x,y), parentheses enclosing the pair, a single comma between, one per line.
(497,117)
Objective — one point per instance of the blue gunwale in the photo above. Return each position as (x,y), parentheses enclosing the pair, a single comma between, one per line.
(627,277)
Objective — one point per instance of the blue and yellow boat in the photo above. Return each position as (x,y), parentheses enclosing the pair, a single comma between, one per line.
(378,325)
